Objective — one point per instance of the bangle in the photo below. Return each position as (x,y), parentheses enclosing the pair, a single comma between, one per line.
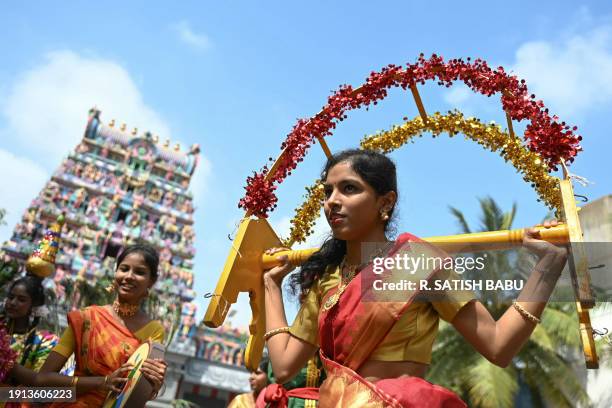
(74,381)
(525,313)
(275,332)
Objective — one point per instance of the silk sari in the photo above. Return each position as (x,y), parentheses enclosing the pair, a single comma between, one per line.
(352,329)
(302,391)
(102,345)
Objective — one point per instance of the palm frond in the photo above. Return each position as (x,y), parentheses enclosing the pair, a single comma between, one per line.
(491,386)
(561,327)
(557,381)
(465,228)
(491,214)
(508,218)
(451,357)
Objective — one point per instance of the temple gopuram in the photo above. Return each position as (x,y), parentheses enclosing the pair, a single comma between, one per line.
(115,188)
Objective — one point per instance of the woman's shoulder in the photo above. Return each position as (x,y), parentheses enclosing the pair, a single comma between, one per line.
(92,309)
(328,280)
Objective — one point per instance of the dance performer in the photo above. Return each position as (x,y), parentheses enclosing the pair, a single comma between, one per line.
(103,337)
(377,353)
(24,307)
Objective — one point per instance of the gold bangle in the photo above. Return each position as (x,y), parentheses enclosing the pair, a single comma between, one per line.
(525,313)
(275,332)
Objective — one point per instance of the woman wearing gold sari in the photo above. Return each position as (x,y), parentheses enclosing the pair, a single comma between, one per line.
(376,353)
(102,338)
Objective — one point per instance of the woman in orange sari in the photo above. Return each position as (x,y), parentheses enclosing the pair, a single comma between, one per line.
(102,338)
(376,353)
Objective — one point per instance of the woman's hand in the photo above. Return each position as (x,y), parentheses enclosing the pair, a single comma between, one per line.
(532,241)
(117,379)
(278,273)
(154,371)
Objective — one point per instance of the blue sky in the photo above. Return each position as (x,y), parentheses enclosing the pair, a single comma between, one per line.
(234,76)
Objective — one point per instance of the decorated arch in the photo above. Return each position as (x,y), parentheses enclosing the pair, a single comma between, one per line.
(547,142)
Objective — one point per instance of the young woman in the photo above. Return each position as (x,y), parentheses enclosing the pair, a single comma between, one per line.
(258,381)
(24,307)
(103,337)
(376,353)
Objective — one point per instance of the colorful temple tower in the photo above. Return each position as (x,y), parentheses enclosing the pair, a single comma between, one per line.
(115,188)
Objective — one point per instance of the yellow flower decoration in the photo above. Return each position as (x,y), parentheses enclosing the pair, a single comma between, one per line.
(491,137)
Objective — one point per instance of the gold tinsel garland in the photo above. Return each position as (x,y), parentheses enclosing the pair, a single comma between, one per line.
(491,137)
(306,215)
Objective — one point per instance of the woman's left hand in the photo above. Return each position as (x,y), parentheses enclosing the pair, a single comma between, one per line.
(154,370)
(533,242)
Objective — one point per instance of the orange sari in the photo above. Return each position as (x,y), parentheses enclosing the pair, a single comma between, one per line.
(351,330)
(102,345)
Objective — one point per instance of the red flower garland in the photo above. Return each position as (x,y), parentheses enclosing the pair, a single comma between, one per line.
(554,141)
(8,356)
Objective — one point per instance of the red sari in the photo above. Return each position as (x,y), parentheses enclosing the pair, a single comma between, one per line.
(351,330)
(102,345)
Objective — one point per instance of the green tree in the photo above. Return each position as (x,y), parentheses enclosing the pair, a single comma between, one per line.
(542,367)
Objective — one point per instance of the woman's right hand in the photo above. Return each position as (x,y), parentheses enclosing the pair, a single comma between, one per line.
(118,378)
(278,273)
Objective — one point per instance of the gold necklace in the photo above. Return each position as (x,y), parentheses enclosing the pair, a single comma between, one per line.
(124,309)
(346,277)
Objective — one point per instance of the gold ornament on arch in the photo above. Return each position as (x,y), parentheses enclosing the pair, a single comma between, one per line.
(490,136)
(247,260)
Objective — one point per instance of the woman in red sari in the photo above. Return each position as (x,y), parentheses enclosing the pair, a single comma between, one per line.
(102,338)
(377,353)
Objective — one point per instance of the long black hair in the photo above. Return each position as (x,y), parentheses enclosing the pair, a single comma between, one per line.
(36,291)
(379,172)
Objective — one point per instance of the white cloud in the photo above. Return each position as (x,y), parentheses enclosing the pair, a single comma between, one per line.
(458,94)
(321,230)
(15,196)
(199,181)
(190,37)
(46,109)
(570,77)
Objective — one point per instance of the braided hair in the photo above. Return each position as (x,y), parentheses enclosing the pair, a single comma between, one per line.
(379,172)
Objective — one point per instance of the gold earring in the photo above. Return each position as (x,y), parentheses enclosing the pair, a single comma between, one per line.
(384,215)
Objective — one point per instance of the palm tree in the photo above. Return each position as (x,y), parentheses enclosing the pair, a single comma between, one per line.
(542,373)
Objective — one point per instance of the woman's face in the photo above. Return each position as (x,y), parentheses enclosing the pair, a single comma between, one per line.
(18,304)
(352,206)
(258,380)
(133,278)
